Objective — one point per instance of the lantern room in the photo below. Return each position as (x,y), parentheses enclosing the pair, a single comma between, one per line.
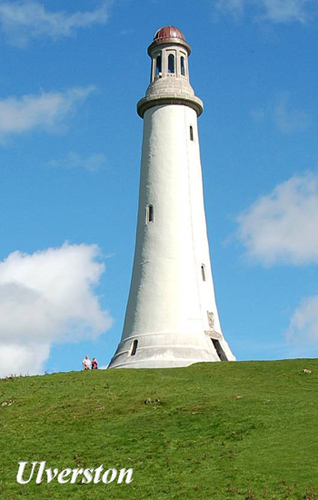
(169,53)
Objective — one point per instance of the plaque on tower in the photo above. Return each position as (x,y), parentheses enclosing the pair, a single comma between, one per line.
(171,317)
(211,319)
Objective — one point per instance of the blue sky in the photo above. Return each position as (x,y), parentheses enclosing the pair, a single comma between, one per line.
(70,147)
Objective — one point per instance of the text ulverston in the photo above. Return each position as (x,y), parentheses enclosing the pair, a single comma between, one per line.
(39,473)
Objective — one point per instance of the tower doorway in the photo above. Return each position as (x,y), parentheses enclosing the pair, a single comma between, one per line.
(219,350)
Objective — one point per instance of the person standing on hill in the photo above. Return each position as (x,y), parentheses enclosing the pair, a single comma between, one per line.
(87,364)
(94,364)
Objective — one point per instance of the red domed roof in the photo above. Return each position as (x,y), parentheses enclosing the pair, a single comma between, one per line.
(168,33)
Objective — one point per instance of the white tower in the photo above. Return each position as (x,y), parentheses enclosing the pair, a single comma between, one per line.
(171,317)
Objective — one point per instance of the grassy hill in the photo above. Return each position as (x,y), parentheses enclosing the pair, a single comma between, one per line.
(245,430)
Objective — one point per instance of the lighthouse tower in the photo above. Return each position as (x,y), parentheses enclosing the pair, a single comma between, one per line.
(171,317)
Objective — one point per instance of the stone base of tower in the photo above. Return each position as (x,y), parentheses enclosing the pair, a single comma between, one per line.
(168,350)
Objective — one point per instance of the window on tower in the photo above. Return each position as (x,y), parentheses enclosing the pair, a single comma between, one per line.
(182,66)
(158,65)
(171,63)
(149,214)
(134,346)
(191,133)
(203,272)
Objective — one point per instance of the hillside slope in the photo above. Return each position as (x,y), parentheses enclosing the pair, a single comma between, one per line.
(210,431)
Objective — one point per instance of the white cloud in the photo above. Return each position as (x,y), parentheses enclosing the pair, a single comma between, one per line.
(289,119)
(285,11)
(23,359)
(34,112)
(233,7)
(21,21)
(304,323)
(92,163)
(48,297)
(286,117)
(282,227)
(275,11)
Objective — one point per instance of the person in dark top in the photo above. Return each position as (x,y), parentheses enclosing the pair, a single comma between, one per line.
(94,364)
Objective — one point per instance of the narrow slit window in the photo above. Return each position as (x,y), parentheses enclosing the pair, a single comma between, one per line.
(149,214)
(203,272)
(191,133)
(182,66)
(158,65)
(171,63)
(134,347)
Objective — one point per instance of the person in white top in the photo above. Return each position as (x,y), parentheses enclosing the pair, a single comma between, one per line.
(86,363)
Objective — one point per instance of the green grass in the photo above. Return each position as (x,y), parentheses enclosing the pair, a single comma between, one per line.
(245,430)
